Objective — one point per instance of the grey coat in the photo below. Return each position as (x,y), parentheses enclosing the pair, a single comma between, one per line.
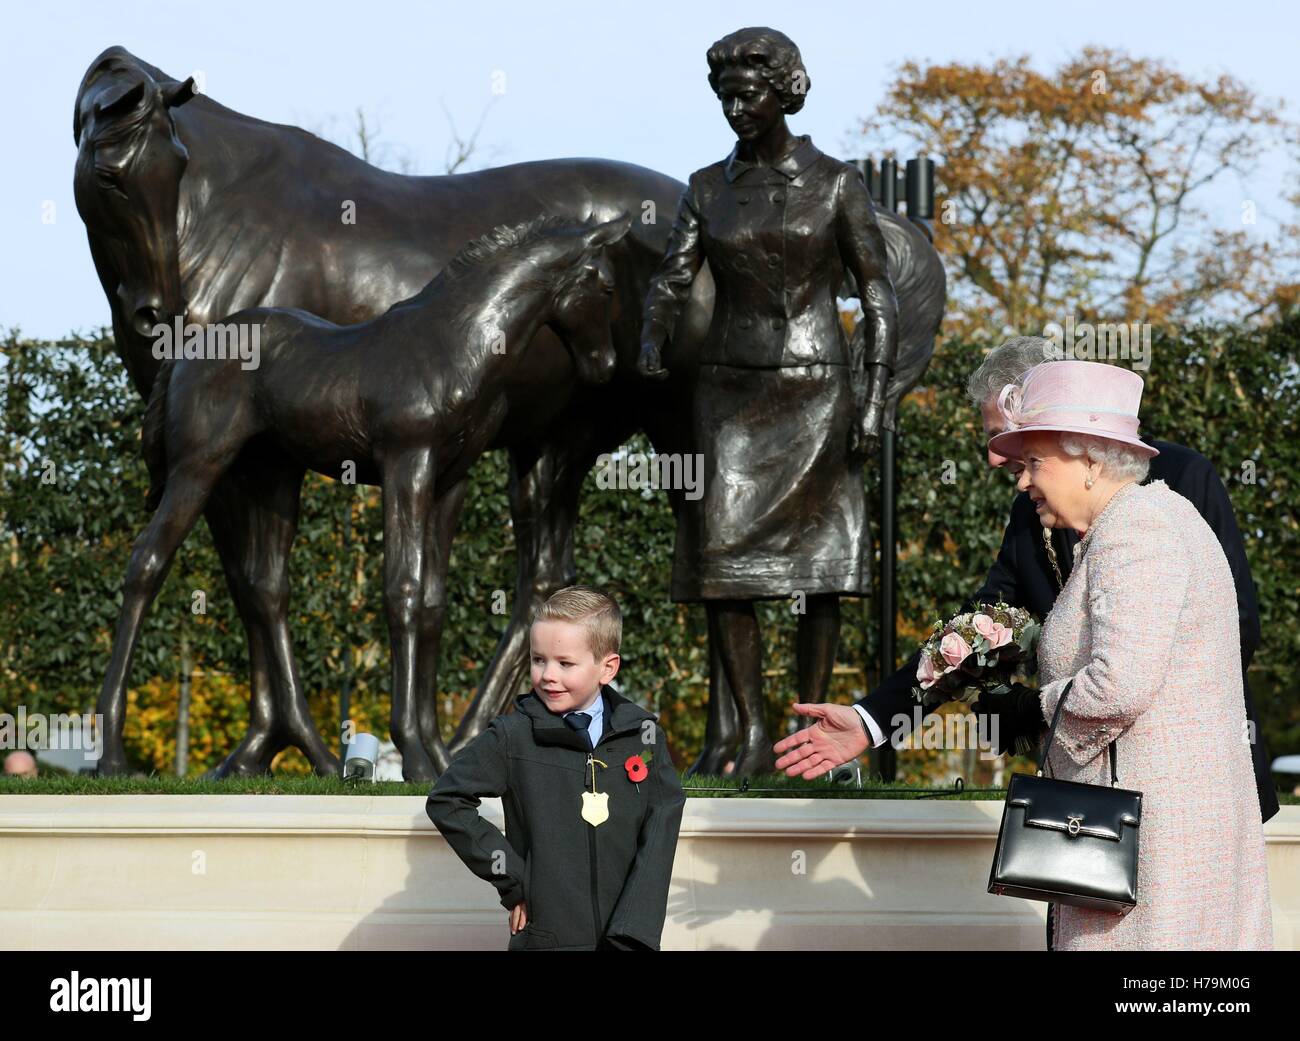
(586,887)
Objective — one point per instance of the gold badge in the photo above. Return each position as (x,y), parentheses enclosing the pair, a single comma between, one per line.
(595,807)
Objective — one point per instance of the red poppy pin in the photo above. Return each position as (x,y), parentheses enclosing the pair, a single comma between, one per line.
(636,769)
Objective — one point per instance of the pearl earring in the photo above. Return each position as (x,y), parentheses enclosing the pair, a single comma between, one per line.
(1088,483)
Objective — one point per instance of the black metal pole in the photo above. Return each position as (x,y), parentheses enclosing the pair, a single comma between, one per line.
(345,685)
(183,710)
(915,188)
(885,755)
(889,185)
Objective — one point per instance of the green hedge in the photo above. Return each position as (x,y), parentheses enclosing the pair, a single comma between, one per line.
(70,414)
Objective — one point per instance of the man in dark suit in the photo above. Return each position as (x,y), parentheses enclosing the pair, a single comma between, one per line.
(1031,567)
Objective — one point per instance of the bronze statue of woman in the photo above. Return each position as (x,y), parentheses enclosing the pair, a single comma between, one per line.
(783,415)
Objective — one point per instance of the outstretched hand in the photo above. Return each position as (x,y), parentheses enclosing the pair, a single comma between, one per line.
(836,738)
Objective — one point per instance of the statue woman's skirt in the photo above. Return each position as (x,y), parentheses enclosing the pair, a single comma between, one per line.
(783,509)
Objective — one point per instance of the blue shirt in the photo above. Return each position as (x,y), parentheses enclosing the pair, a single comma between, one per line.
(597,712)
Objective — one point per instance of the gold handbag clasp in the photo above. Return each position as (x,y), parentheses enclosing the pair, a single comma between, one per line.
(1072,824)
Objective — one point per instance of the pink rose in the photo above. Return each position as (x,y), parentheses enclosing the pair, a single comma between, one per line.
(954,650)
(997,634)
(925,672)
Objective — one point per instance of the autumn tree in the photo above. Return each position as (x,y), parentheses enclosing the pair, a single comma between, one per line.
(1086,190)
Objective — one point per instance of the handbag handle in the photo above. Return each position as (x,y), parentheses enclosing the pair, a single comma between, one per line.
(1051,736)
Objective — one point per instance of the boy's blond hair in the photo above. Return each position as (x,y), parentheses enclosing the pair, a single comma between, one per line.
(596,612)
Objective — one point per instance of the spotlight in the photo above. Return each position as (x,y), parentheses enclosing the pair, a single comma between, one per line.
(363,753)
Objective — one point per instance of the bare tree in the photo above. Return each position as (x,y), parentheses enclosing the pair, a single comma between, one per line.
(364,139)
(460,150)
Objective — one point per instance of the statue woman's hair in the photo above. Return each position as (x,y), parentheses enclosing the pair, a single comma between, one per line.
(772,54)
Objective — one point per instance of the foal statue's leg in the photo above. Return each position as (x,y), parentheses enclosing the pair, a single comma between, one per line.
(187,491)
(408,490)
(439,531)
(273,526)
(255,510)
(230,515)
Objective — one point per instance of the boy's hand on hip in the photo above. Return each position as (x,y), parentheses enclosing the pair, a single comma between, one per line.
(518,917)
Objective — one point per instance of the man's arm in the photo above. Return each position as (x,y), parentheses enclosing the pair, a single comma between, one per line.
(1199,483)
(1004,582)
(638,918)
(480,769)
(893,697)
(840,734)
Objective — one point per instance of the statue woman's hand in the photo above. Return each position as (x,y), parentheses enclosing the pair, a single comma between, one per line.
(650,363)
(873,417)
(865,434)
(864,431)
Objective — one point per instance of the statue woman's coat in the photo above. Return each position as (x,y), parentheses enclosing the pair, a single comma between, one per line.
(783,509)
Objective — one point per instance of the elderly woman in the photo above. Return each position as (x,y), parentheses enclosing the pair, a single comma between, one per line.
(776,415)
(1146,629)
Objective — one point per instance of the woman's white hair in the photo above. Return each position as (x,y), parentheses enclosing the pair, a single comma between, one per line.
(1119,461)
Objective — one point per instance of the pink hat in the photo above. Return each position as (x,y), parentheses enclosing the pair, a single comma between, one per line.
(1078,397)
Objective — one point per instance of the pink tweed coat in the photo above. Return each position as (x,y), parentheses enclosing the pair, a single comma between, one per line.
(1147,627)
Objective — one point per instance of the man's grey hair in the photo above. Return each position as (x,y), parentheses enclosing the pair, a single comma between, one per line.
(1006,364)
(1119,461)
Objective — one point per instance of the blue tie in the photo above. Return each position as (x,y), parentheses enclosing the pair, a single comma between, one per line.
(580,721)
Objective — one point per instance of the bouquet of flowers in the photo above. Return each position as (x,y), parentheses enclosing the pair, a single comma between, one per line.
(980,651)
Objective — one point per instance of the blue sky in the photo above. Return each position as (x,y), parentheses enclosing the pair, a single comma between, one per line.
(616,80)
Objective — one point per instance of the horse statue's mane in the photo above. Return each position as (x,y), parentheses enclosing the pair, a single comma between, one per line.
(478,252)
(504,237)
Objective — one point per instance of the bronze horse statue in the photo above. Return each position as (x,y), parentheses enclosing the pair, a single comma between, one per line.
(195,210)
(410,399)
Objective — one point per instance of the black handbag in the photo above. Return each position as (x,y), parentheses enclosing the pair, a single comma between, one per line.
(1068,842)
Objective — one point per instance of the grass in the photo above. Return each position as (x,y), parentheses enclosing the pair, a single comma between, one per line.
(774,786)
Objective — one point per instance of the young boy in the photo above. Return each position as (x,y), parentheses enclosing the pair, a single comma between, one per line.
(592,802)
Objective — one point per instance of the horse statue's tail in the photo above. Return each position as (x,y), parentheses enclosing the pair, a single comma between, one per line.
(153,441)
(920,286)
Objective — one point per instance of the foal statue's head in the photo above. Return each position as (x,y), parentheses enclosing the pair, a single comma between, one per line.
(582,300)
(554,271)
